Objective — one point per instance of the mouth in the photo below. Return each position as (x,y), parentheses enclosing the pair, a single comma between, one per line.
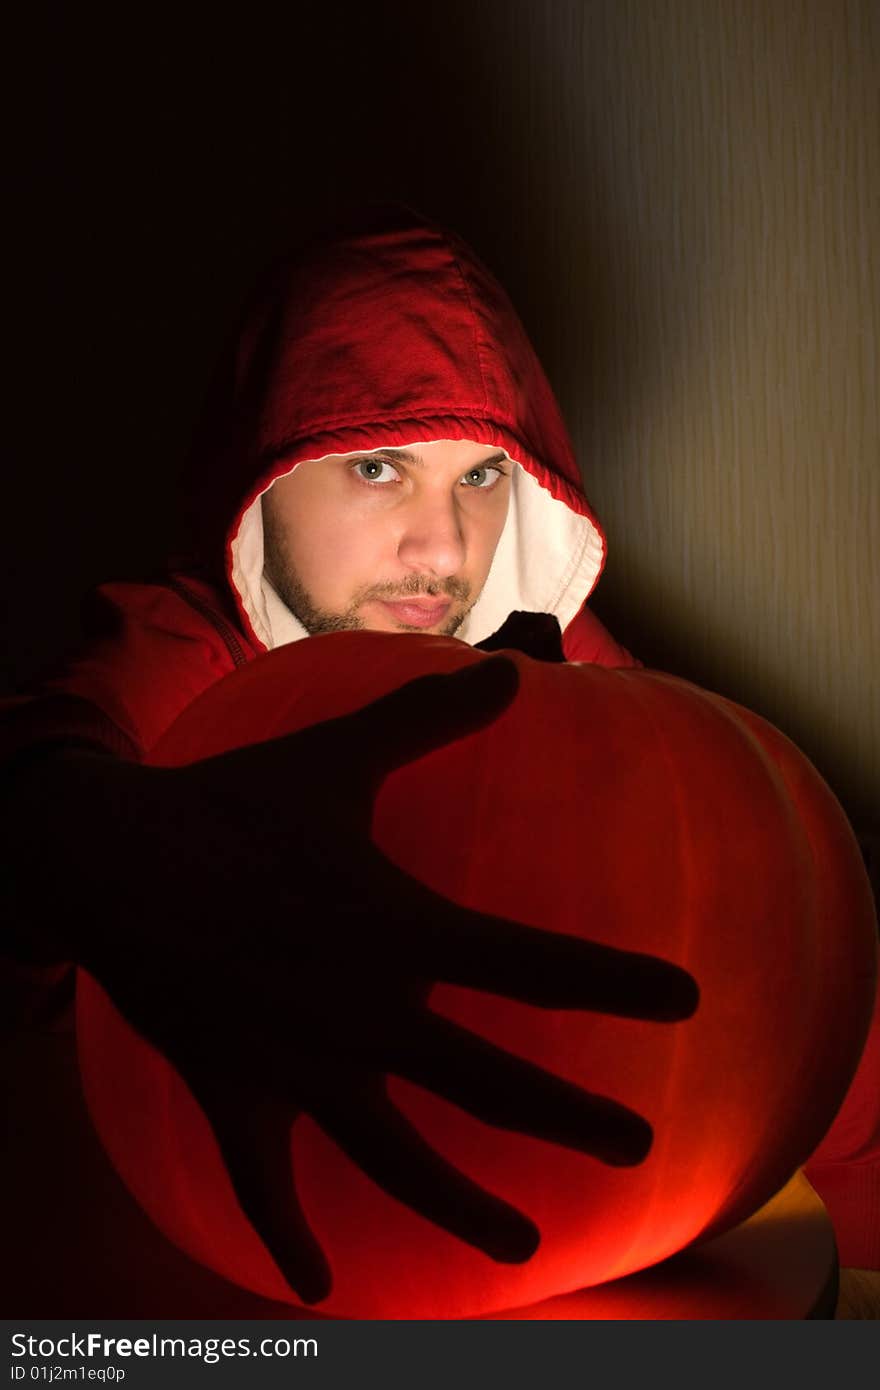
(418,612)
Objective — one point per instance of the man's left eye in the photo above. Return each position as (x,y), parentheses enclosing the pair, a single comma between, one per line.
(482,477)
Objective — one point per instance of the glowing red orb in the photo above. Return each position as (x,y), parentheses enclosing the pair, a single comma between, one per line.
(627,806)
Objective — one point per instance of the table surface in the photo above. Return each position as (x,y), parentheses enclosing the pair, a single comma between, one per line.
(76,1245)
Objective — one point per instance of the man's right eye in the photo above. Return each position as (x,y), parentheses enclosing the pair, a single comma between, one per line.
(376,471)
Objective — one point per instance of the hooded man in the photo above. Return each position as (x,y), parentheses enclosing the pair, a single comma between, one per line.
(381,450)
(384,336)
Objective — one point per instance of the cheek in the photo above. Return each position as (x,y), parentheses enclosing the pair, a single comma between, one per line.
(343,551)
(485,532)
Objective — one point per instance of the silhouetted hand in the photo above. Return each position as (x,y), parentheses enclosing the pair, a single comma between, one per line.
(249,928)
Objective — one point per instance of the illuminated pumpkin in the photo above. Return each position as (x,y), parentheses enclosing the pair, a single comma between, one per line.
(627,806)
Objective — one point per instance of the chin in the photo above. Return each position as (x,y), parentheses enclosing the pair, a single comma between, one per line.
(403,628)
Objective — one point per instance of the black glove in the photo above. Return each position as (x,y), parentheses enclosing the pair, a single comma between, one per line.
(536,634)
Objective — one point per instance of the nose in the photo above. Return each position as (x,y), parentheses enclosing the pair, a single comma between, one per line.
(432,541)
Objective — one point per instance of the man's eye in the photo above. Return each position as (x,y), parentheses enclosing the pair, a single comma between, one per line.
(482,477)
(376,471)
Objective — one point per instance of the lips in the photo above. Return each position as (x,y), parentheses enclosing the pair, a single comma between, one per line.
(418,612)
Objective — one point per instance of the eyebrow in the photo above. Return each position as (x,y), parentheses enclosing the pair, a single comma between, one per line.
(404,456)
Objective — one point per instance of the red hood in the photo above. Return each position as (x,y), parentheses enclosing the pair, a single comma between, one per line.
(390,331)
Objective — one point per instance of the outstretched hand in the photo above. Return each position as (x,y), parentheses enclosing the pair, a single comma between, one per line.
(282,964)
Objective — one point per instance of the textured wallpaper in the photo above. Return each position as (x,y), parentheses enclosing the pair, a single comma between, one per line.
(693,208)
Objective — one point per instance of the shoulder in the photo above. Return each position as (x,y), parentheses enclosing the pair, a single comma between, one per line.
(587,639)
(148,650)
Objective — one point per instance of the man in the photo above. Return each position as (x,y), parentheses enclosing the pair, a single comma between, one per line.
(381,450)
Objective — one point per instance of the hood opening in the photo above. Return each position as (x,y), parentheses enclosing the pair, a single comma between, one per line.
(388,331)
(547,558)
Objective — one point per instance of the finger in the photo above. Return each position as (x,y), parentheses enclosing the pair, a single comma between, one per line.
(383,1143)
(440,940)
(511,1093)
(423,715)
(254,1141)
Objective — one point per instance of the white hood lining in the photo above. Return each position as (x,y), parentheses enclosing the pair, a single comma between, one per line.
(546,561)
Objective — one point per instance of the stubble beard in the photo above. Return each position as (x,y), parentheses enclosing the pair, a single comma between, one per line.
(282,575)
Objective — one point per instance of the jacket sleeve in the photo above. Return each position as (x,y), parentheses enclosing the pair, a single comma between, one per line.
(845,1169)
(148,651)
(585,639)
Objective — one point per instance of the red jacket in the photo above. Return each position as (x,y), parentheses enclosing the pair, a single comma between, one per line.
(388,334)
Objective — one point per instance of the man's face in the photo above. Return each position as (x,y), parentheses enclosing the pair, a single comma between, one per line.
(389,540)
